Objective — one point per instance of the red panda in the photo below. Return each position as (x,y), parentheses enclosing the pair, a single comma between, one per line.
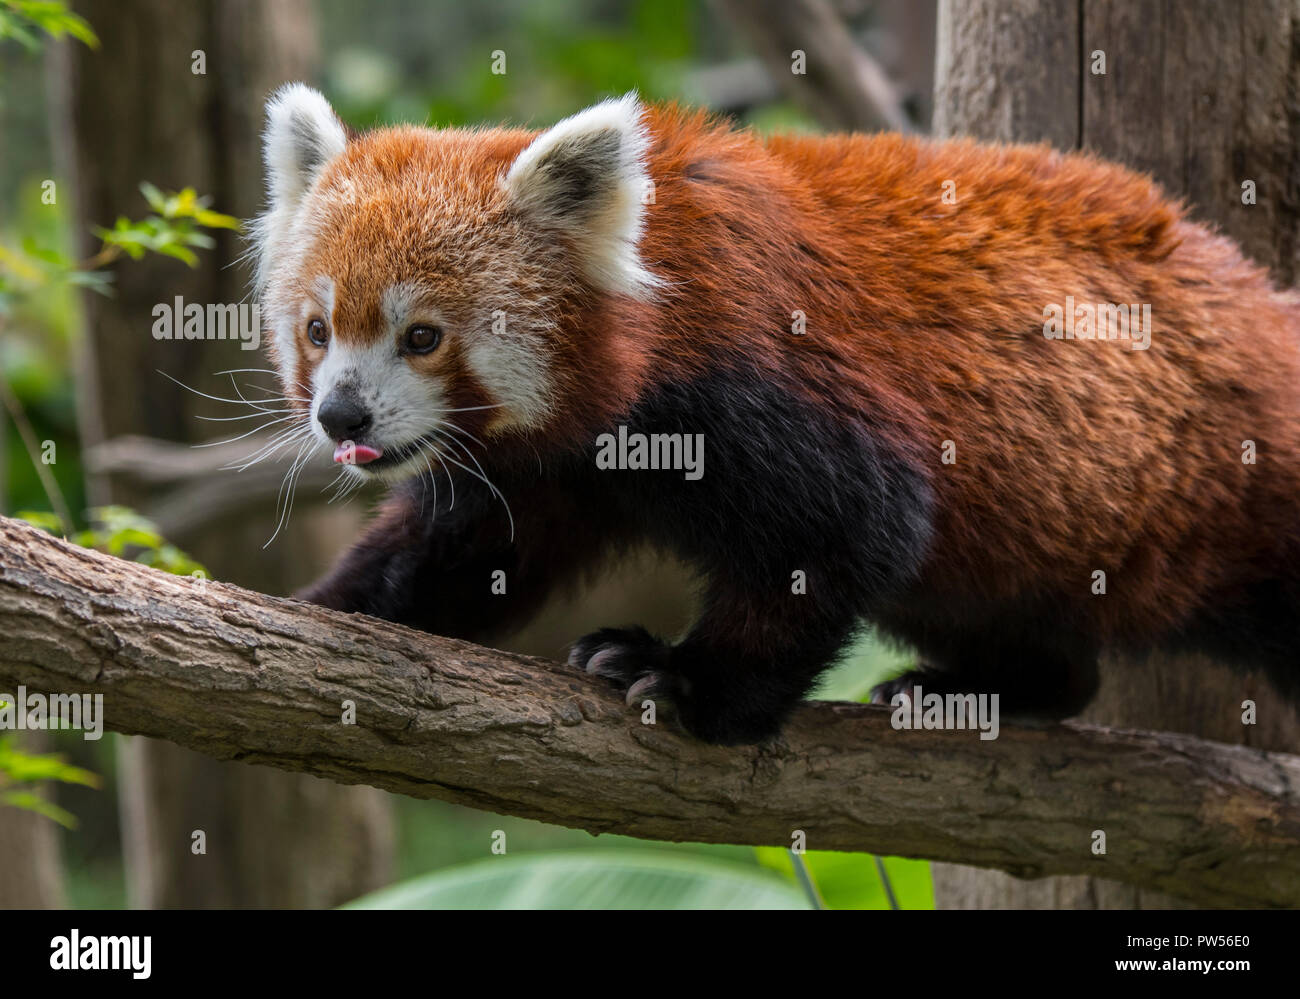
(901,423)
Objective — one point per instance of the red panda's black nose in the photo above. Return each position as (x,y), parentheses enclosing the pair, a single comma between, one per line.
(343,416)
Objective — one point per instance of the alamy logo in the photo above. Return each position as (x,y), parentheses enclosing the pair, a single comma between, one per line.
(919,710)
(652,451)
(218,321)
(94,953)
(34,712)
(1103,321)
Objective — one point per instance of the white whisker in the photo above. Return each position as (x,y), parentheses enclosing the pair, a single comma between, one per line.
(288,436)
(252,416)
(232,440)
(482,476)
(290,481)
(460,430)
(205,395)
(472,409)
(424,441)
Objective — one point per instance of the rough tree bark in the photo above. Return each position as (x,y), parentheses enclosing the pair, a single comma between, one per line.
(139,108)
(237,675)
(1202,96)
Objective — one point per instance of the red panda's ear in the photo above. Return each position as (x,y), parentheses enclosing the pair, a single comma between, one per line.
(587,177)
(302,134)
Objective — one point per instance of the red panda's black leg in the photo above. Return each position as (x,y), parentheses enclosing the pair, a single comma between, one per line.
(803,524)
(1042,681)
(755,652)
(739,672)
(453,568)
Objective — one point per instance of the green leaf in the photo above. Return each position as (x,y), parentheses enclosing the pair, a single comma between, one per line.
(152,195)
(590,879)
(32,802)
(25,768)
(50,16)
(118,528)
(11,27)
(145,538)
(81,30)
(43,519)
(180,253)
(215,220)
(171,559)
(116,517)
(851,881)
(100,282)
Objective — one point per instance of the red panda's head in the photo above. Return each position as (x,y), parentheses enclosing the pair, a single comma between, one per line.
(413,278)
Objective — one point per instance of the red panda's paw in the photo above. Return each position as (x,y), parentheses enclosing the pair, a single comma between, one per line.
(632,658)
(710,705)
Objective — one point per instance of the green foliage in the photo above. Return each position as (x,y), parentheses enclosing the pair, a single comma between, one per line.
(39,310)
(36,286)
(561,55)
(37,378)
(866,664)
(33,269)
(851,881)
(19,772)
(121,532)
(172,230)
(591,879)
(24,20)
(175,227)
(35,283)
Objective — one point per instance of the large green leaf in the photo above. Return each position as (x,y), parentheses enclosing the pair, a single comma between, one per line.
(591,879)
(851,880)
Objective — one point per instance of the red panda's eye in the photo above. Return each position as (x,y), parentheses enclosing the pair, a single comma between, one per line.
(316,333)
(423,339)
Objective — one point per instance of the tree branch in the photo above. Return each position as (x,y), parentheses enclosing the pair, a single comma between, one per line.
(238,675)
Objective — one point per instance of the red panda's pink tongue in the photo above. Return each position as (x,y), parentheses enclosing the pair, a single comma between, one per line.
(356,454)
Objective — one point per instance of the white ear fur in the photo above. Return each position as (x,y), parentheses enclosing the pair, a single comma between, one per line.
(587,178)
(302,135)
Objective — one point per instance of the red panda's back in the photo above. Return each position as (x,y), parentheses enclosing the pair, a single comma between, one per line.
(927,272)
